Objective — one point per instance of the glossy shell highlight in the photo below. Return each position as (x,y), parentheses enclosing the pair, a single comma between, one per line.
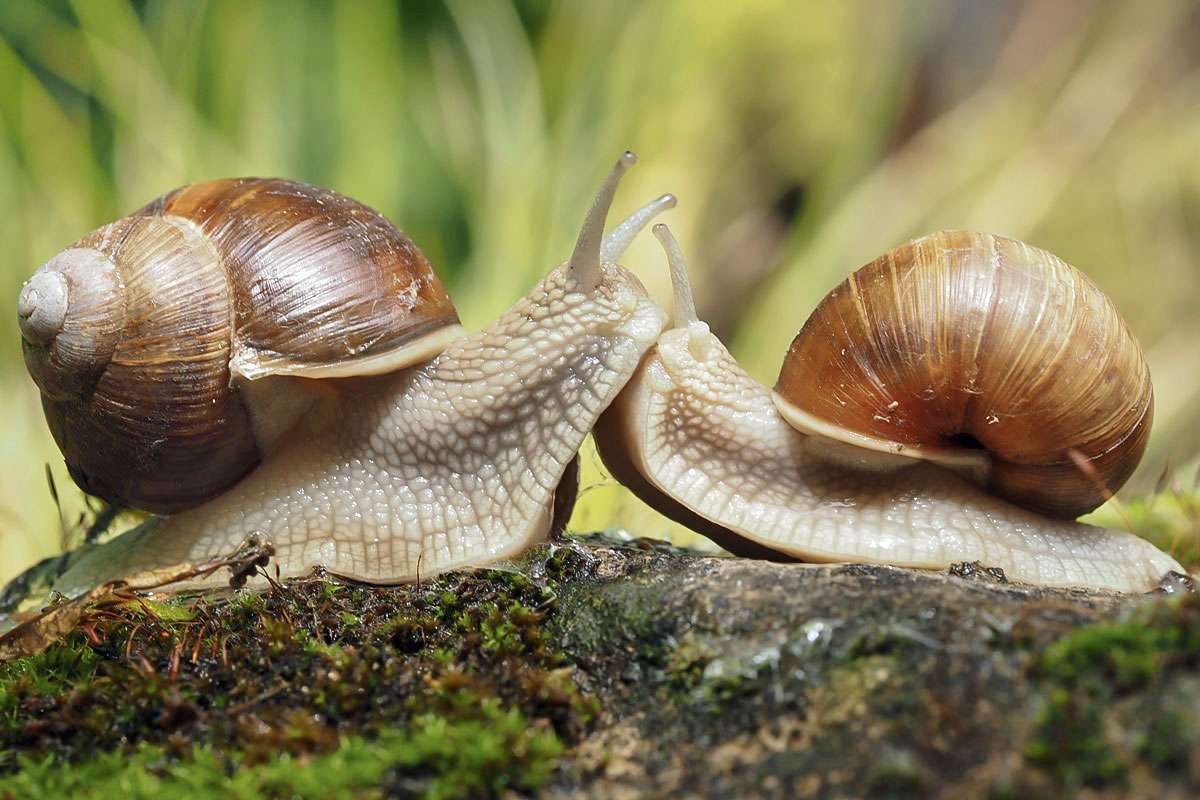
(962,342)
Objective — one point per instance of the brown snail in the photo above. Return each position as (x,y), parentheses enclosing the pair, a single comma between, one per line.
(938,387)
(265,357)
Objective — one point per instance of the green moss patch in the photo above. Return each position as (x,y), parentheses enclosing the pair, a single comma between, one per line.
(309,689)
(484,753)
(1092,727)
(1126,654)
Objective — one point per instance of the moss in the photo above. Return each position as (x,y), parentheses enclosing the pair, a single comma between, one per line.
(176,610)
(1169,519)
(897,776)
(68,666)
(685,666)
(1167,740)
(1124,655)
(1085,674)
(491,752)
(705,675)
(849,690)
(454,673)
(585,624)
(1069,742)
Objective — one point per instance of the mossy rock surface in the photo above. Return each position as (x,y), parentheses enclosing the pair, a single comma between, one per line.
(613,669)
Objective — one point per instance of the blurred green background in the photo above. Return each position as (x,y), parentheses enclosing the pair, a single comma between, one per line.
(802,138)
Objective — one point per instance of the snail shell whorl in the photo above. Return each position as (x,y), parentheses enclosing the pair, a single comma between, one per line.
(164,309)
(156,422)
(964,339)
(318,280)
(70,314)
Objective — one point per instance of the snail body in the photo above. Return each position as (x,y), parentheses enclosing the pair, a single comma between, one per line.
(888,481)
(384,443)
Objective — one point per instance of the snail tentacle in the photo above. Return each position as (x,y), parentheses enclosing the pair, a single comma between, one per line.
(619,238)
(584,264)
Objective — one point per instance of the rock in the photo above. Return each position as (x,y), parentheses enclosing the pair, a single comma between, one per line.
(632,669)
(728,677)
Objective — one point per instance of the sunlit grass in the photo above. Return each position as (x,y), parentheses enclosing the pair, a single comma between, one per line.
(802,140)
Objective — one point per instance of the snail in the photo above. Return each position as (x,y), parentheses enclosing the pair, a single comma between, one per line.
(961,398)
(265,358)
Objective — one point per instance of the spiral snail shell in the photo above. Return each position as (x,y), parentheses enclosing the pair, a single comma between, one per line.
(140,333)
(982,353)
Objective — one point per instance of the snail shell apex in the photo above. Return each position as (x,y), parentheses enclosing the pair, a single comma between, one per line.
(169,309)
(961,341)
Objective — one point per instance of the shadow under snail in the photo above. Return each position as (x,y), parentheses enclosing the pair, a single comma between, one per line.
(959,399)
(264,357)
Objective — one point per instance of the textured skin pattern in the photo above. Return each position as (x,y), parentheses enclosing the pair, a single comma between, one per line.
(449,464)
(710,437)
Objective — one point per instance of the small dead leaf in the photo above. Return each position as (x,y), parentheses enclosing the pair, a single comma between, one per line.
(49,626)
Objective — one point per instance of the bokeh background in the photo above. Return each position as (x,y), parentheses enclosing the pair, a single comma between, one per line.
(803,139)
